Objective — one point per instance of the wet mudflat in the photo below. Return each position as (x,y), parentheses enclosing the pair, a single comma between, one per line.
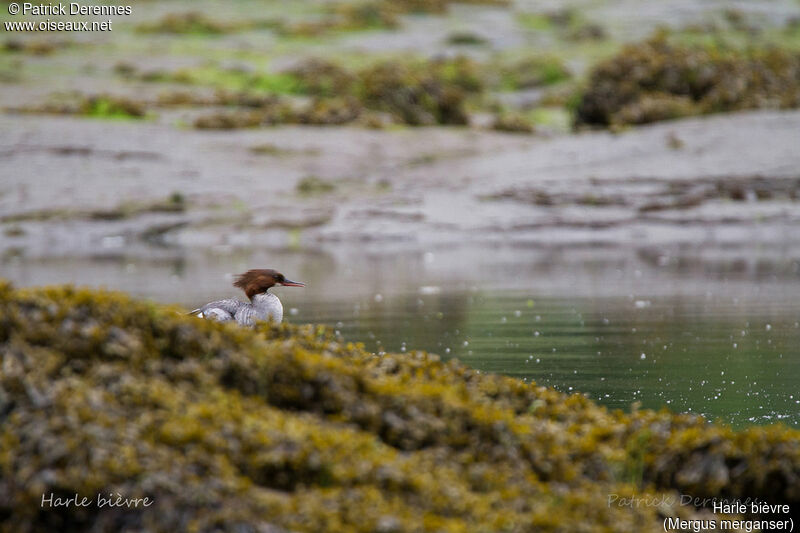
(126,186)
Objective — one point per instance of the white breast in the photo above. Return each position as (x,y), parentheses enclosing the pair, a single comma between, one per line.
(265,306)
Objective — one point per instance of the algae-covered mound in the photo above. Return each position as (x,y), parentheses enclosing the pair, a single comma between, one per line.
(433,92)
(415,93)
(657,80)
(288,428)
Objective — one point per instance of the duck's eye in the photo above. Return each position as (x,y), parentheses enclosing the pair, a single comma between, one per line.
(279,278)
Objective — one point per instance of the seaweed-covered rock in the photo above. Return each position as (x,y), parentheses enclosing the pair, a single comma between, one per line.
(189,22)
(343,16)
(656,80)
(330,111)
(287,428)
(431,93)
(438,6)
(366,15)
(409,92)
(322,78)
(653,107)
(261,111)
(39,47)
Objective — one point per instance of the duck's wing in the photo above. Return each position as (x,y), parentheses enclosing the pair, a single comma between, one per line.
(221,310)
(245,315)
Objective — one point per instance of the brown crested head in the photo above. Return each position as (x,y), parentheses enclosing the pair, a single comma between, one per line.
(258,280)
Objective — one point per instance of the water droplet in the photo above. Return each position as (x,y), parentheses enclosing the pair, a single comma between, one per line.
(429,289)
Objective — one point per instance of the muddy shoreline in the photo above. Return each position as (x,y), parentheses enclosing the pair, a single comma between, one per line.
(731,182)
(110,162)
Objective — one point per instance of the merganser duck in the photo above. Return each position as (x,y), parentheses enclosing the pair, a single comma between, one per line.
(263,304)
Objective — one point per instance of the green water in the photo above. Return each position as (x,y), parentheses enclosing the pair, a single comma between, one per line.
(731,360)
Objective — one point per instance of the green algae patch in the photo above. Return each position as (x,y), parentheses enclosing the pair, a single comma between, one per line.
(289,428)
(104,106)
(568,24)
(512,123)
(230,79)
(531,72)
(657,80)
(414,93)
(466,38)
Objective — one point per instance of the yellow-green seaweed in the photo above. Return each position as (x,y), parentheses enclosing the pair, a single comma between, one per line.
(657,80)
(289,428)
